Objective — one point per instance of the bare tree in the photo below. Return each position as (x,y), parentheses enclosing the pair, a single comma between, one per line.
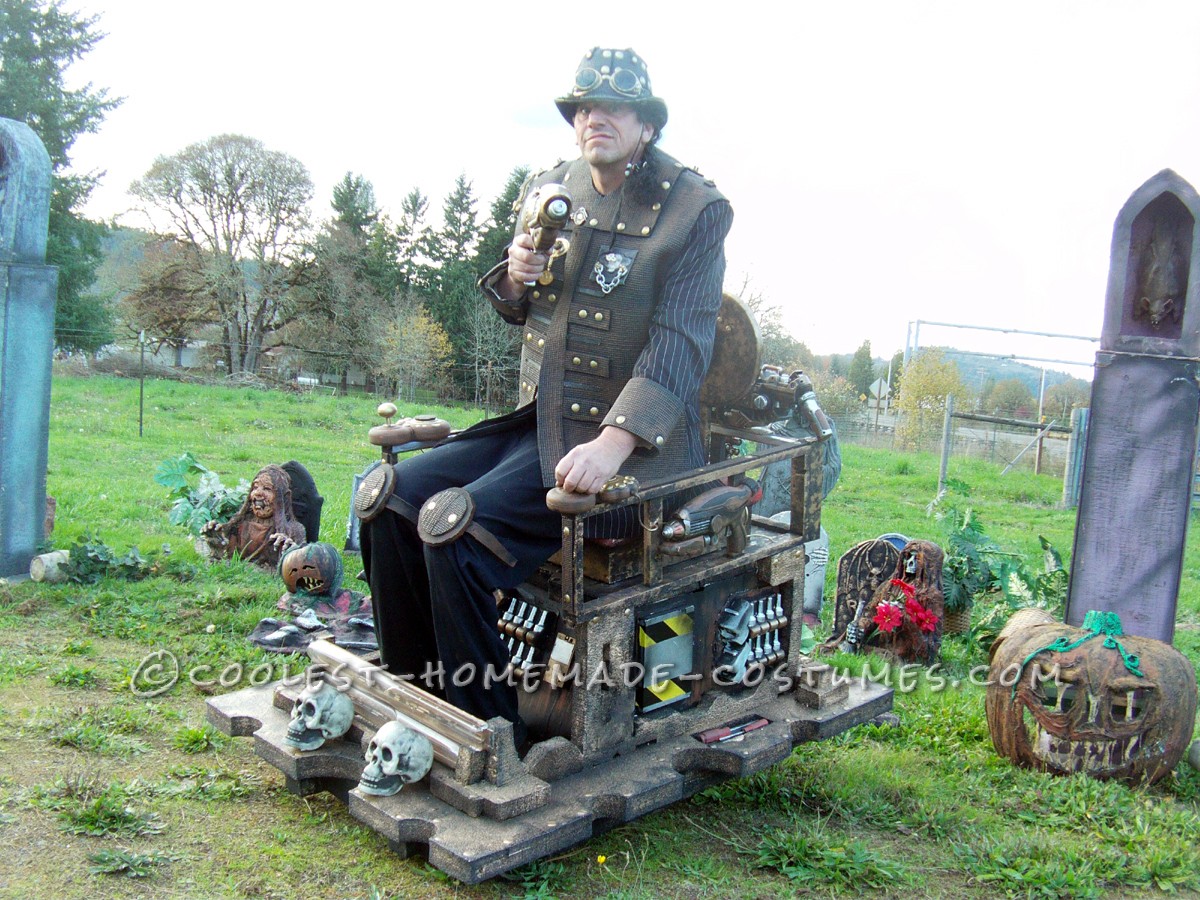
(245,209)
(491,352)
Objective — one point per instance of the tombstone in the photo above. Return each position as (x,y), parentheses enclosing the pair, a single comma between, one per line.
(1137,467)
(27,288)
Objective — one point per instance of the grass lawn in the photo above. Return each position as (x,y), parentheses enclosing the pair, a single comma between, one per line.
(107,794)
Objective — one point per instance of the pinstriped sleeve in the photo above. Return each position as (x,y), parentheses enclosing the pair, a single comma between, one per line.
(671,367)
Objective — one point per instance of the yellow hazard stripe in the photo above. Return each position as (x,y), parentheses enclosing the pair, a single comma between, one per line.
(676,626)
(666,690)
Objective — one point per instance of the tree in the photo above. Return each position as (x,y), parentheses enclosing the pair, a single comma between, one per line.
(1010,397)
(412,239)
(354,203)
(168,303)
(862,370)
(928,379)
(501,222)
(897,373)
(1062,398)
(338,319)
(417,352)
(459,234)
(38,43)
(244,208)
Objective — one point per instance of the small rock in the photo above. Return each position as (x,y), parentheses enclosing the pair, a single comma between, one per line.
(1194,755)
(210,629)
(891,720)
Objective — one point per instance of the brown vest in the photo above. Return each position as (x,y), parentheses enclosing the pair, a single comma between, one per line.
(579,343)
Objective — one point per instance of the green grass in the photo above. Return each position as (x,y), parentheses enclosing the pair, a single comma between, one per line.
(122,781)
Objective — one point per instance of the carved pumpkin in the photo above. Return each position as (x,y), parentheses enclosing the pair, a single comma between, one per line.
(314,569)
(1121,706)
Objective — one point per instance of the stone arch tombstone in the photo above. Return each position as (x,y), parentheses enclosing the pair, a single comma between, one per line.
(1136,489)
(27,291)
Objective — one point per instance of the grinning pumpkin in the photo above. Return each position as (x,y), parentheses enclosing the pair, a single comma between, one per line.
(1094,700)
(314,569)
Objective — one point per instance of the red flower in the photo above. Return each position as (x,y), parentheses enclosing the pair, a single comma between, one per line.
(910,592)
(924,618)
(888,617)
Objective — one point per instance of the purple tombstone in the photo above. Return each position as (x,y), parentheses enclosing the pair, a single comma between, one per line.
(1141,445)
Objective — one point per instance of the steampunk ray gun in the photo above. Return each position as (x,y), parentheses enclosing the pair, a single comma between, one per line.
(543,215)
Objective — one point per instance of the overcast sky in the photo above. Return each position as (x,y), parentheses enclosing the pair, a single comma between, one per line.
(887,161)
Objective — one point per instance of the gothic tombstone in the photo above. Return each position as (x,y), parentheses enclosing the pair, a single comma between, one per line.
(27,294)
(1137,467)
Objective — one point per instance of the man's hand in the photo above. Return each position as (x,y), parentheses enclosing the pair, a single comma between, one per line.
(524,267)
(586,467)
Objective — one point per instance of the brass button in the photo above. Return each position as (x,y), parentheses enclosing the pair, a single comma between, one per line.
(599,317)
(620,420)
(537,294)
(566,178)
(646,229)
(552,297)
(574,407)
(593,222)
(659,440)
(541,342)
(583,314)
(656,207)
(452,518)
(593,364)
(529,335)
(594,411)
(620,226)
(576,361)
(666,185)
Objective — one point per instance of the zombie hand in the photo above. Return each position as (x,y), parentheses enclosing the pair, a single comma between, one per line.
(281,543)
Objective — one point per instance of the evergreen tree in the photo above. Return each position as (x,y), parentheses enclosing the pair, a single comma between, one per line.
(862,370)
(501,222)
(38,43)
(459,234)
(412,239)
(354,203)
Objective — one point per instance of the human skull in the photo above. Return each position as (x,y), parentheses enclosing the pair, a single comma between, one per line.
(321,713)
(395,757)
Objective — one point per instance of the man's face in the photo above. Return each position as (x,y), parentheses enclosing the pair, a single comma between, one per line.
(262,497)
(609,133)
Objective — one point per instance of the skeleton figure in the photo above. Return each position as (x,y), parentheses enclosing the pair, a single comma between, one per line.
(1162,278)
(321,714)
(395,757)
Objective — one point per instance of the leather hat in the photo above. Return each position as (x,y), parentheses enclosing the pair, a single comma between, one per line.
(614,76)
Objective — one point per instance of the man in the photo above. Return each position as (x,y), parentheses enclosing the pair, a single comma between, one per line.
(616,338)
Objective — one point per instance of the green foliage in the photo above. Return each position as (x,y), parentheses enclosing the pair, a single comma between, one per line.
(1025,587)
(125,862)
(38,44)
(209,501)
(354,203)
(862,370)
(199,740)
(811,855)
(110,814)
(72,675)
(91,559)
(976,567)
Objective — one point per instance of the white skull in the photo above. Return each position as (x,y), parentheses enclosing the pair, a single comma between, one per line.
(395,757)
(321,713)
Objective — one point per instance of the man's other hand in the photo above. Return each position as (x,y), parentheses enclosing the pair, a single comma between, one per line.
(586,467)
